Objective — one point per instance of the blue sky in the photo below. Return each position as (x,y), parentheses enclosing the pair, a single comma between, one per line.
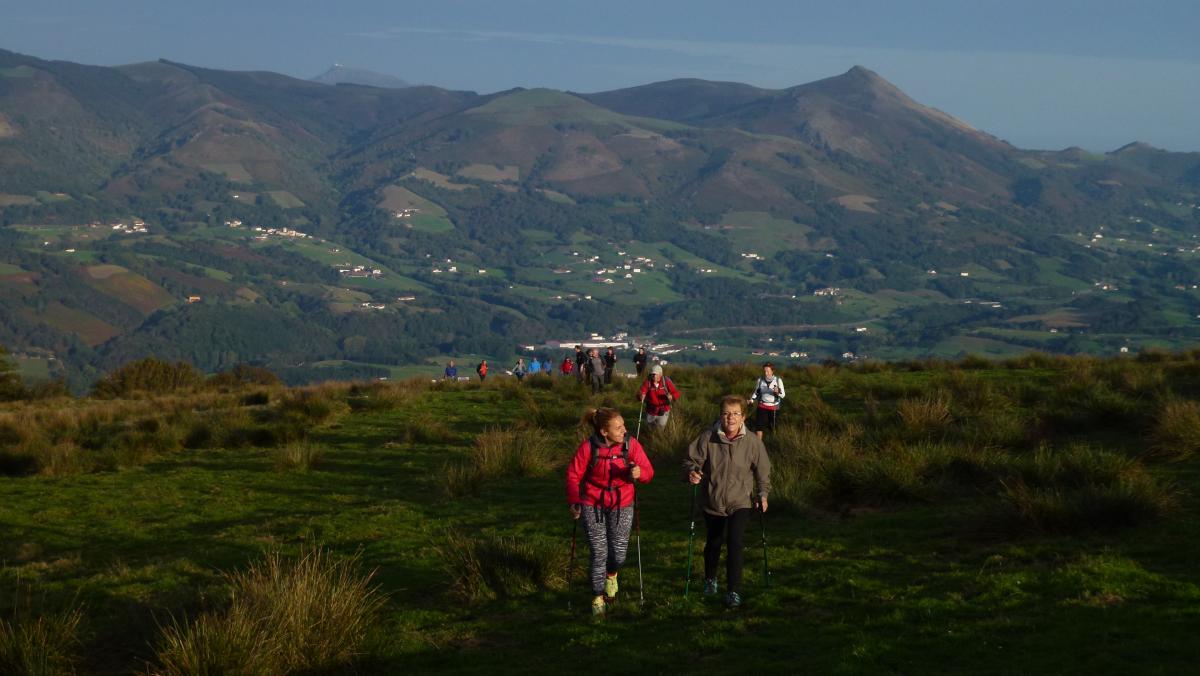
(1048,74)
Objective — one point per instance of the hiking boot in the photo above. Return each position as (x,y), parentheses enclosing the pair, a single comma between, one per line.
(598,606)
(610,586)
(710,587)
(733,599)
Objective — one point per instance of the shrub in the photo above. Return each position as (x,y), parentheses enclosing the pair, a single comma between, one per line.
(309,614)
(148,376)
(492,566)
(975,362)
(47,645)
(11,387)
(243,375)
(1176,434)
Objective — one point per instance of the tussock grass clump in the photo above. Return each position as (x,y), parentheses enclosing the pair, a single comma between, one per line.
(513,452)
(1176,434)
(425,428)
(1125,503)
(460,479)
(46,645)
(300,456)
(925,417)
(669,444)
(284,615)
(500,452)
(1081,488)
(380,396)
(493,566)
(313,406)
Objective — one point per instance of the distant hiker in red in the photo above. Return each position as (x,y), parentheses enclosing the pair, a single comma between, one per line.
(600,489)
(658,392)
(482,370)
(568,365)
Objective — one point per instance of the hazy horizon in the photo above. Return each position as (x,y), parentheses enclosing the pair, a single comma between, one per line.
(1097,75)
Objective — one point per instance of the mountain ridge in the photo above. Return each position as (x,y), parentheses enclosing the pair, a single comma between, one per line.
(843,183)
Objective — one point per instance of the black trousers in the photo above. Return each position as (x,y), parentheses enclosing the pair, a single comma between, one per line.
(732,527)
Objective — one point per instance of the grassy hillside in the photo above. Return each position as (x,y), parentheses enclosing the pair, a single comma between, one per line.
(1036,515)
(940,239)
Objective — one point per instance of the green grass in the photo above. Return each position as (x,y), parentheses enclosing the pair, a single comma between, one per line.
(17,71)
(285,199)
(898,568)
(52,198)
(9,269)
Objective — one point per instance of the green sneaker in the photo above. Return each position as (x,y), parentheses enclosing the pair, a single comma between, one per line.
(598,606)
(610,586)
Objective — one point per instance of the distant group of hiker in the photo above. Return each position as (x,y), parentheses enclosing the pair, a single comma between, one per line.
(727,467)
(589,367)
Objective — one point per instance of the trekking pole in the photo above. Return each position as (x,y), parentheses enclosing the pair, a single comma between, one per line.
(638,434)
(571,564)
(762,522)
(691,542)
(637,527)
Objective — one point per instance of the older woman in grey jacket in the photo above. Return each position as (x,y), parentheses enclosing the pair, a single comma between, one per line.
(732,467)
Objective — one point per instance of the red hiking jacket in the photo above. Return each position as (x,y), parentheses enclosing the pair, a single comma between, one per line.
(657,402)
(609,484)
(567,366)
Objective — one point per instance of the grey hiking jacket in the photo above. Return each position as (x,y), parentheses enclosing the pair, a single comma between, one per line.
(730,468)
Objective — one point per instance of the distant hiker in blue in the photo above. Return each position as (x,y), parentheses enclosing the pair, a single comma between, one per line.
(451,371)
(519,370)
(535,366)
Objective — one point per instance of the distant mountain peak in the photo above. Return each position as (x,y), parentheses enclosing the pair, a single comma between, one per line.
(1136,147)
(342,74)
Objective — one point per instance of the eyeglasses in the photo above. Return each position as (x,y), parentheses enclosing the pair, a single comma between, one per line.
(731,414)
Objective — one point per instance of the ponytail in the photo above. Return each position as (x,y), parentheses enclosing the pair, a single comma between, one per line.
(598,418)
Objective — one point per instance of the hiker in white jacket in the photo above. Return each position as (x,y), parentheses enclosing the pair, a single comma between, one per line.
(768,395)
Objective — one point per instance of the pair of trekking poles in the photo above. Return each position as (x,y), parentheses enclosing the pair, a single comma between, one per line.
(691,538)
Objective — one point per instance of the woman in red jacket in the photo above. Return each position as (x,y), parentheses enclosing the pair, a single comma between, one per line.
(656,394)
(600,489)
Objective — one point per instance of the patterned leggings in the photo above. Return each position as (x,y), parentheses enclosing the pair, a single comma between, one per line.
(608,536)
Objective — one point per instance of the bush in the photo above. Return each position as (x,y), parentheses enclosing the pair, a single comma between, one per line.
(492,566)
(47,645)
(243,375)
(284,616)
(148,376)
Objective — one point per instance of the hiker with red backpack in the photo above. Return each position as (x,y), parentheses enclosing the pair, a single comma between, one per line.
(656,395)
(600,491)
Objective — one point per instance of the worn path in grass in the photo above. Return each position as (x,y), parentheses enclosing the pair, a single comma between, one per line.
(913,589)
